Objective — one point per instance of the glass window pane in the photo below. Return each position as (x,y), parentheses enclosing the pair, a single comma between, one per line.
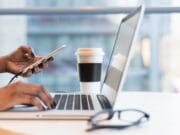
(45,33)
(154,65)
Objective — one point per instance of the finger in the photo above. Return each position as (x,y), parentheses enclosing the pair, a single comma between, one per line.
(45,92)
(28,99)
(36,70)
(41,66)
(44,97)
(49,96)
(45,62)
(29,54)
(39,91)
(45,65)
(28,73)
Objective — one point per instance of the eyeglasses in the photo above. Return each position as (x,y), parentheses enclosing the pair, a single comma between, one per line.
(117,119)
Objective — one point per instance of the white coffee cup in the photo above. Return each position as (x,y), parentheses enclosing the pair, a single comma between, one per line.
(89,64)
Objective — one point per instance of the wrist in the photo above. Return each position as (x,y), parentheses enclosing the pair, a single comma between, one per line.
(3,61)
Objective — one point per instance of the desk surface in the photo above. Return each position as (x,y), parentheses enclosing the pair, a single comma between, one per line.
(164,109)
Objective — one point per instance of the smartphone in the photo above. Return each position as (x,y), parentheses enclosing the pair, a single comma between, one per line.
(54,52)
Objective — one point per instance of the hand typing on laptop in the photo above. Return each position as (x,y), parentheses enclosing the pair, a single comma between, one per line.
(24,93)
(19,92)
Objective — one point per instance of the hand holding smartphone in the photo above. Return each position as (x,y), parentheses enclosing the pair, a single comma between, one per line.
(38,62)
(51,54)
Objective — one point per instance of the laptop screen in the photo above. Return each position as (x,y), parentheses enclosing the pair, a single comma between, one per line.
(120,55)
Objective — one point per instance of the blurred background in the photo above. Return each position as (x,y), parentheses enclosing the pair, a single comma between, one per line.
(155,64)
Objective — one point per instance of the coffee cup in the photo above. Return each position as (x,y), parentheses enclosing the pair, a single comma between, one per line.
(89,65)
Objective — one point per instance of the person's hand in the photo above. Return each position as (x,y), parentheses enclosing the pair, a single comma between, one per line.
(21,58)
(24,93)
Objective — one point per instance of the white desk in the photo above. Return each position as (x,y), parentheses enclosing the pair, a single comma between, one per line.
(164,109)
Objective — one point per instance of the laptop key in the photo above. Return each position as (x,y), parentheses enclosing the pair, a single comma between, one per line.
(84,102)
(100,101)
(56,99)
(69,104)
(91,107)
(77,105)
(62,102)
(106,102)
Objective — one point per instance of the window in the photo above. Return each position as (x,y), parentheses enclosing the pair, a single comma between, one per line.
(154,65)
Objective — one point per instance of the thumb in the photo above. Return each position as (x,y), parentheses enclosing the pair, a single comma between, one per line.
(29,56)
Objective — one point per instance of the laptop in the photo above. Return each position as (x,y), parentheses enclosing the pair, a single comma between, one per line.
(82,106)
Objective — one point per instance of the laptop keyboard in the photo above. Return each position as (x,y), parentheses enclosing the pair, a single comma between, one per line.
(79,102)
(73,102)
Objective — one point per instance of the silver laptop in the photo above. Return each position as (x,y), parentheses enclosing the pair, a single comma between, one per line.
(81,106)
